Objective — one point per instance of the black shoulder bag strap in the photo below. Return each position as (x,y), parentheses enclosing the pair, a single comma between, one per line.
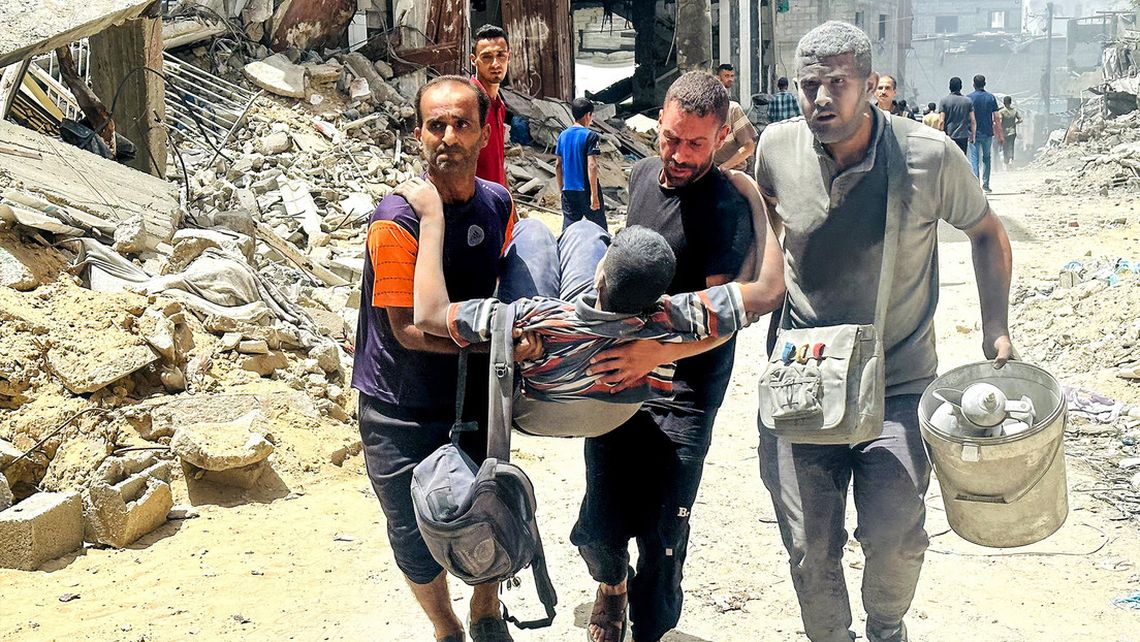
(502,392)
(459,426)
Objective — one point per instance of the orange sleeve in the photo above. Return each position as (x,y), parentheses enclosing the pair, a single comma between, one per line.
(510,234)
(393,252)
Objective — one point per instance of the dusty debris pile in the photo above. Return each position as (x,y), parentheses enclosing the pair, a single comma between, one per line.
(1102,145)
(1080,325)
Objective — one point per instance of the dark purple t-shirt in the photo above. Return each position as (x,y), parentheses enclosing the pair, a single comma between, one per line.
(422,384)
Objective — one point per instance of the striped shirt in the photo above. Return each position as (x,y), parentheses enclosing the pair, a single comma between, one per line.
(574,333)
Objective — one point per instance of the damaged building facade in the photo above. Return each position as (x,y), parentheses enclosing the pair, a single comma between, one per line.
(886,22)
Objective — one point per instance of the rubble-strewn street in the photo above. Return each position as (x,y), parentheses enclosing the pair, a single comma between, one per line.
(179,450)
(305,557)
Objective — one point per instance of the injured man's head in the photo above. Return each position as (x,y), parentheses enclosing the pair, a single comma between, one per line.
(635,271)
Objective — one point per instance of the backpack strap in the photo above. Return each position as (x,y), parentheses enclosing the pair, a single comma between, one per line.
(459,426)
(501,383)
(545,588)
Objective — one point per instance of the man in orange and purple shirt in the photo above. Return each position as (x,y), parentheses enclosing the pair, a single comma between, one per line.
(406,378)
(492,54)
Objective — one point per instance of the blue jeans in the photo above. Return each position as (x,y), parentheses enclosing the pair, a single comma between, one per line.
(576,207)
(808,484)
(535,264)
(982,144)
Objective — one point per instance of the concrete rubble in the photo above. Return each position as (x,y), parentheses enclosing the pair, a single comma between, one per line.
(41,528)
(231,453)
(209,317)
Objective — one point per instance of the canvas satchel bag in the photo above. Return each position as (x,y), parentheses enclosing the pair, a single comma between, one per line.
(479,522)
(826,385)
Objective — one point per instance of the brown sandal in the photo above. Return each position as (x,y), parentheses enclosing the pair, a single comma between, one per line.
(609,615)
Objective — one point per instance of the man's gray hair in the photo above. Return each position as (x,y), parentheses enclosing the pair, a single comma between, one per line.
(835,38)
(699,93)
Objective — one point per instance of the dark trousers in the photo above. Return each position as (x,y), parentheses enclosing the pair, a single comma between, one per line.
(394,443)
(576,207)
(808,484)
(641,484)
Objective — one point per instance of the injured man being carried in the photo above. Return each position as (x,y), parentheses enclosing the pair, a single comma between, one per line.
(578,296)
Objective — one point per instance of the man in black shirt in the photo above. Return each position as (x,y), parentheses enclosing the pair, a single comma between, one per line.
(642,478)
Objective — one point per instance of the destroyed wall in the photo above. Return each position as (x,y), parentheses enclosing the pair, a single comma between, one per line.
(935,17)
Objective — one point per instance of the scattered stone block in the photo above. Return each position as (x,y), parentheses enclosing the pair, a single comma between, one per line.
(40,528)
(245,477)
(6,498)
(275,143)
(230,341)
(277,74)
(223,445)
(14,274)
(253,346)
(120,513)
(327,355)
(265,364)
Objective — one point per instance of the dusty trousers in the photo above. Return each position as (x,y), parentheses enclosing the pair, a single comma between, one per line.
(808,484)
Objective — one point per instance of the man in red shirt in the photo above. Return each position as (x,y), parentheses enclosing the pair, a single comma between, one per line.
(492,54)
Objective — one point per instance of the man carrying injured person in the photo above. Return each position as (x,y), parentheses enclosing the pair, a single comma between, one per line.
(573,298)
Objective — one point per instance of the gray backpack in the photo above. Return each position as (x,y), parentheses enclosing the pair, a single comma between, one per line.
(479,521)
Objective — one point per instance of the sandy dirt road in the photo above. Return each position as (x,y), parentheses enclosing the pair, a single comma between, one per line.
(316,566)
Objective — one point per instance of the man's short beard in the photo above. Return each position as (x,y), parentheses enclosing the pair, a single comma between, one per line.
(695,176)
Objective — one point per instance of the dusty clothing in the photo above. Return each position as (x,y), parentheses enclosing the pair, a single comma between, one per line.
(1010,119)
(835,221)
(642,478)
(835,226)
(394,442)
(556,279)
(475,235)
(740,133)
(808,484)
(957,109)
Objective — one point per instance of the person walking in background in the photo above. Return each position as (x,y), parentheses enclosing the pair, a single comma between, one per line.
(783,105)
(491,55)
(1010,119)
(576,168)
(931,117)
(956,116)
(988,124)
(885,93)
(736,151)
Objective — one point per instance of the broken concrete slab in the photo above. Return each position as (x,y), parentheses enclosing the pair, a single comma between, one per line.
(327,355)
(6,498)
(119,194)
(273,144)
(32,28)
(118,514)
(277,74)
(245,477)
(223,445)
(40,528)
(265,364)
(84,372)
(74,465)
(13,273)
(159,333)
(160,417)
